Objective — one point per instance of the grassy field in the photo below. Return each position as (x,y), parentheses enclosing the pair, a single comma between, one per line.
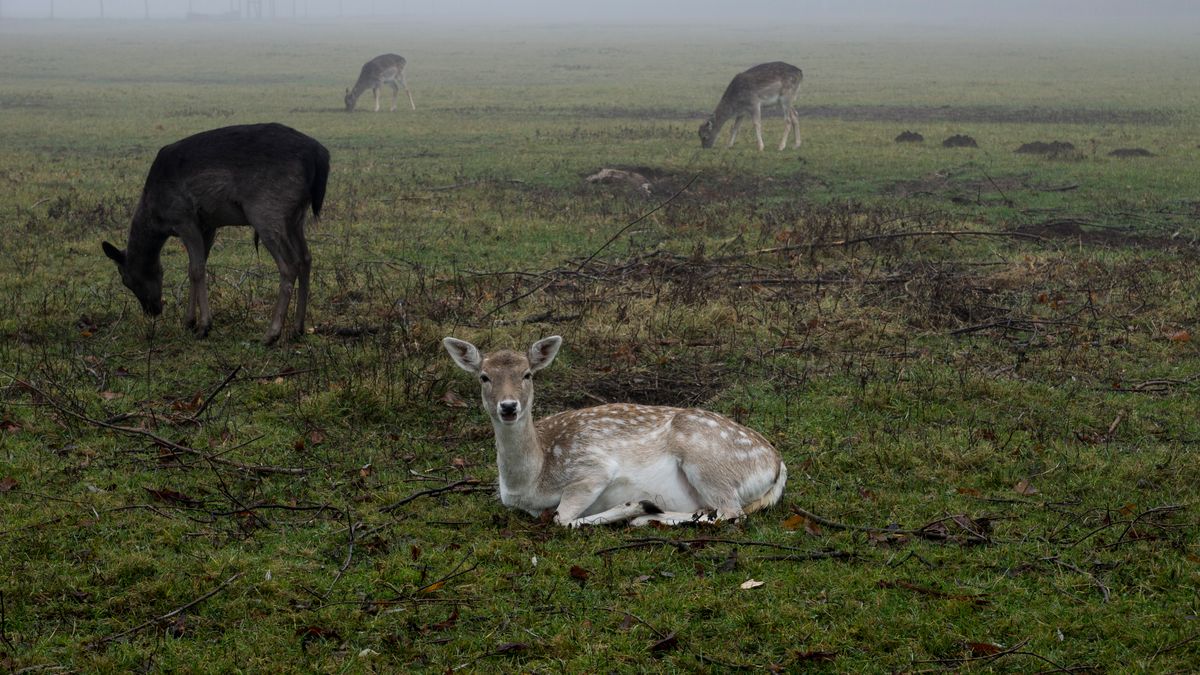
(1010,411)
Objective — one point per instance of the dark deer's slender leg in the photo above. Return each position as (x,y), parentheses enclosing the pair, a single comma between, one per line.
(197,245)
(304,263)
(273,236)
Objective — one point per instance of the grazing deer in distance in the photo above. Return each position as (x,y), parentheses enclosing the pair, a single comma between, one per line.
(385,68)
(266,176)
(747,93)
(618,462)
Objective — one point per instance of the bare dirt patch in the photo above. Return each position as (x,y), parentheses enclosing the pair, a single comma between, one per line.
(657,182)
(960,141)
(1089,233)
(851,113)
(865,113)
(1131,152)
(910,137)
(1053,149)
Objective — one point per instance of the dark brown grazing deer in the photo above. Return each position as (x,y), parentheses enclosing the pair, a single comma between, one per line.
(384,68)
(266,176)
(766,84)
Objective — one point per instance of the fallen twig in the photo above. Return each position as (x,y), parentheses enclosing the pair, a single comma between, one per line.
(168,615)
(204,406)
(1074,568)
(595,253)
(172,445)
(687,544)
(453,487)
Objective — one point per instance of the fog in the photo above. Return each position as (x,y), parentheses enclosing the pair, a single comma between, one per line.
(1176,16)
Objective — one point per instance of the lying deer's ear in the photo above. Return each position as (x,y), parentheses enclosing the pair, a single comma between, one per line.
(464,354)
(114,253)
(542,353)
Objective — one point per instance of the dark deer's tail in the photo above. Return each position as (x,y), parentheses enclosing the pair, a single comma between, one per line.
(321,176)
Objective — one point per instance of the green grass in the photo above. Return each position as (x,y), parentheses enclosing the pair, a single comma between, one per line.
(906,381)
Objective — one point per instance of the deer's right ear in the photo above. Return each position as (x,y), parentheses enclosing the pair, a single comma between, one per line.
(114,253)
(542,353)
(464,354)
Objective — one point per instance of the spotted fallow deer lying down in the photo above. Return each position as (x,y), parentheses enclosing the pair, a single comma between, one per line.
(766,84)
(618,462)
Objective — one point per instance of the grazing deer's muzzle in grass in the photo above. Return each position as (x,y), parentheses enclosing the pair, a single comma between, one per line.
(619,462)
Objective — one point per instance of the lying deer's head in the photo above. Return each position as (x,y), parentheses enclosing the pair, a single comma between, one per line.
(708,133)
(145,282)
(505,377)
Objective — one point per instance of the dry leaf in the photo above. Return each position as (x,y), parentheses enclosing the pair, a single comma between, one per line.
(794,522)
(8,484)
(984,649)
(1179,336)
(431,588)
(447,624)
(110,395)
(1023,487)
(816,656)
(666,644)
(751,583)
(579,574)
(316,436)
(453,400)
(172,497)
(970,492)
(510,647)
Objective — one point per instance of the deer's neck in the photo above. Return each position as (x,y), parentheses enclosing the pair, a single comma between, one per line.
(519,459)
(725,110)
(364,83)
(145,241)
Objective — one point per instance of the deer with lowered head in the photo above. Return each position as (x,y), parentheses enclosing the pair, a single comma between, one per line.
(766,84)
(618,462)
(387,68)
(266,176)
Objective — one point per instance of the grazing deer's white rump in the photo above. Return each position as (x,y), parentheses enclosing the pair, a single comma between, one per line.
(387,68)
(775,83)
(619,462)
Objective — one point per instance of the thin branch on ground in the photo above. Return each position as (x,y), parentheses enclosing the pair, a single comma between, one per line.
(208,401)
(1074,568)
(171,445)
(178,610)
(595,253)
(452,487)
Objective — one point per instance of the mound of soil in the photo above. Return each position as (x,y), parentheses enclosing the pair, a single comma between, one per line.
(910,137)
(960,141)
(1131,152)
(1051,149)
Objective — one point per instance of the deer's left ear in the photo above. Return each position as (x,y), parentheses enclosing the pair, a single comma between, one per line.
(542,353)
(114,253)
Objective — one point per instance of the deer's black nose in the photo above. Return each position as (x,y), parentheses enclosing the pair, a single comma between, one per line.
(508,410)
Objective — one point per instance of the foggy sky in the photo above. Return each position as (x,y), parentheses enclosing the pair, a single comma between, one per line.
(966,12)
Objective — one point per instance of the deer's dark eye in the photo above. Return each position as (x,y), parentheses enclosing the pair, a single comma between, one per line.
(528,375)
(484,379)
